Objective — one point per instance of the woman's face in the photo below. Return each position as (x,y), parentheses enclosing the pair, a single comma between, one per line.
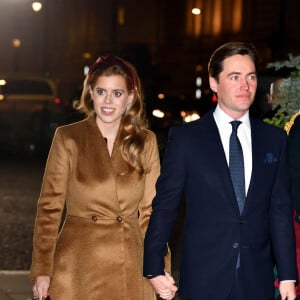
(111,99)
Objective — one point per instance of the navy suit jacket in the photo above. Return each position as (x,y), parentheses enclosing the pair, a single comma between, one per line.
(195,165)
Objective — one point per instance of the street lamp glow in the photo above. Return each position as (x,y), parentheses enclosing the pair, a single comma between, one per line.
(37,6)
(16,43)
(196,11)
(161,96)
(158,113)
(191,117)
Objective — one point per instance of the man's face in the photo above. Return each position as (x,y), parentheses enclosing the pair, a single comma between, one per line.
(236,86)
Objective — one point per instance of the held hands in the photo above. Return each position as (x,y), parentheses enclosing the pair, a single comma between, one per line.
(40,287)
(164,286)
(287,290)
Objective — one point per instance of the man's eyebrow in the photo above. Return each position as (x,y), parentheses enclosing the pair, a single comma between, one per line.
(239,73)
(233,73)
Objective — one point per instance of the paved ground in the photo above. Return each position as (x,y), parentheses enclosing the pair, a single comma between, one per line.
(14,285)
(20,181)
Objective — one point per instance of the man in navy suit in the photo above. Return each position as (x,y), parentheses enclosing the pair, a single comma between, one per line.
(228,252)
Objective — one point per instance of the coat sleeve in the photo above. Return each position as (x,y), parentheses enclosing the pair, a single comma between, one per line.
(50,207)
(165,205)
(152,168)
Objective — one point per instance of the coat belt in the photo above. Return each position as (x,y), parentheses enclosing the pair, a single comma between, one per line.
(95,218)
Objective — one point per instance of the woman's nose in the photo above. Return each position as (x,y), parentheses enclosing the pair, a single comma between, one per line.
(108,98)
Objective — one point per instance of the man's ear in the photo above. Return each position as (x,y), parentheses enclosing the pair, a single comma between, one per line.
(213,84)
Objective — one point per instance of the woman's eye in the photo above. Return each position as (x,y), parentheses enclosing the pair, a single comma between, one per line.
(118,93)
(100,91)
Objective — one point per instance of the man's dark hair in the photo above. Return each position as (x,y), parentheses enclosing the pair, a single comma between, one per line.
(215,65)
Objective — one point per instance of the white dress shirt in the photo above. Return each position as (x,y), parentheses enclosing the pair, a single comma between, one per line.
(244,135)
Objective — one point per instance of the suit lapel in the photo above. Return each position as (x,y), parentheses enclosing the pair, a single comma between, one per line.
(257,153)
(218,162)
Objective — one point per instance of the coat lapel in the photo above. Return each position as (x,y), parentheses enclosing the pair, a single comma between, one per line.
(115,163)
(119,165)
(258,154)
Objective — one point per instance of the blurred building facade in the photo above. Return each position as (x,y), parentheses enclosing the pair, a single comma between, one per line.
(168,44)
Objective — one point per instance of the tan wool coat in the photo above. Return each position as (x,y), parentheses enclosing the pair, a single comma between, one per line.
(98,252)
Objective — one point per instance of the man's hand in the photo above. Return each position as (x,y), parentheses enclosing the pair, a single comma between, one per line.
(164,286)
(287,290)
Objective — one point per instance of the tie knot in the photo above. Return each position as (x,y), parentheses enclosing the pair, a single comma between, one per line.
(235,125)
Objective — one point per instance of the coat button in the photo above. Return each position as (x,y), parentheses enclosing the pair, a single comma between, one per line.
(119,219)
(94,218)
(235,245)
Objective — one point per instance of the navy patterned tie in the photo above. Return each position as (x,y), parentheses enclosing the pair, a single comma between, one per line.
(236,168)
(236,165)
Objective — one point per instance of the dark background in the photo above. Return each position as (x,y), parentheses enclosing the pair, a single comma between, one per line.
(169,45)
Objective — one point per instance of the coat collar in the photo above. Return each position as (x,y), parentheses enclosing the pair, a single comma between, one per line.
(115,161)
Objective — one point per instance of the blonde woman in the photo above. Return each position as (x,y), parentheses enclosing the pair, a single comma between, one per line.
(102,170)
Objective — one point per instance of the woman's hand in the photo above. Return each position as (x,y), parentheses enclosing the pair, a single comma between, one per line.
(164,286)
(40,287)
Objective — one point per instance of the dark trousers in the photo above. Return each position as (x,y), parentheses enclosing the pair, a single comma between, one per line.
(236,292)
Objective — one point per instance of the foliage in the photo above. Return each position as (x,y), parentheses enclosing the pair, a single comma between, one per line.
(279,119)
(292,63)
(288,94)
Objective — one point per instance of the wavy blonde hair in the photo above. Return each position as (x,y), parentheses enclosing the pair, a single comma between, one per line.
(133,121)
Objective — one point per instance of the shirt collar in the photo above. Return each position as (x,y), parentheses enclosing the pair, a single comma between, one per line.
(222,118)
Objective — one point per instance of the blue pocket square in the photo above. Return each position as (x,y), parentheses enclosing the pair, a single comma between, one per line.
(270,158)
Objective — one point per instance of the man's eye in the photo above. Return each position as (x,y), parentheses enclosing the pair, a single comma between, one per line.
(252,77)
(234,77)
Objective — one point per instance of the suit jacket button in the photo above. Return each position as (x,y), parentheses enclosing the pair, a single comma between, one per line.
(94,218)
(235,245)
(119,219)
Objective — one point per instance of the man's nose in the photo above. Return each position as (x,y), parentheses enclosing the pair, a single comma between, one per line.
(244,84)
